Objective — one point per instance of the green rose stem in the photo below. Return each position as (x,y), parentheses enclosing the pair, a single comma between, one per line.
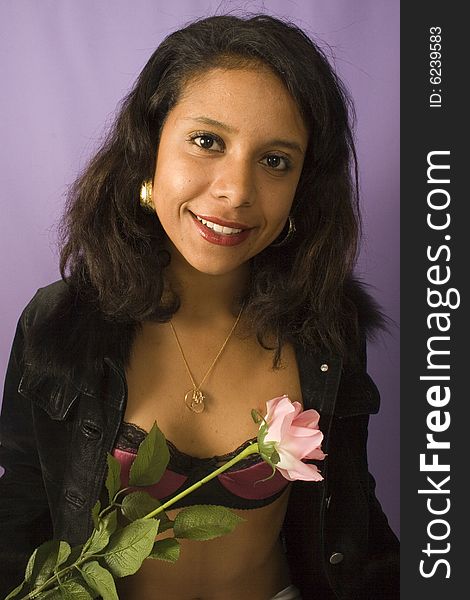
(251,449)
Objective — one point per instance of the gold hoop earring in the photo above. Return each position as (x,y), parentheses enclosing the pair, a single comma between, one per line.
(289,234)
(146,196)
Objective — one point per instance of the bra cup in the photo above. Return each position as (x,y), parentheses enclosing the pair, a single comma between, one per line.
(168,485)
(247,483)
(241,486)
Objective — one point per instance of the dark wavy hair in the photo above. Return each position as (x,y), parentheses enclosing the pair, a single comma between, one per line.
(114,251)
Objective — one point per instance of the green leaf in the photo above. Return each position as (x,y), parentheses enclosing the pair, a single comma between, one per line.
(113,479)
(76,590)
(204,522)
(257,418)
(168,549)
(268,451)
(151,460)
(54,594)
(275,458)
(16,591)
(73,556)
(139,504)
(165,523)
(42,562)
(95,511)
(63,554)
(128,547)
(100,580)
(262,432)
(100,536)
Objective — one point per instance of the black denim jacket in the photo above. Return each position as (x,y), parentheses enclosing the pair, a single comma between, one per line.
(59,420)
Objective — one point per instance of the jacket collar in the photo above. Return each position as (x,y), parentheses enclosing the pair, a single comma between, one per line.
(70,348)
(319,378)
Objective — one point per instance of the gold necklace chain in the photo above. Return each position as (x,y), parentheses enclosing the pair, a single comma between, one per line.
(194,398)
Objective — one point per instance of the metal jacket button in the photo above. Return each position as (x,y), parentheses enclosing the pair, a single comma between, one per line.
(336,558)
(324,367)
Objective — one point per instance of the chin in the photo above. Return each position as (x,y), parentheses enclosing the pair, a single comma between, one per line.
(216,270)
(215,267)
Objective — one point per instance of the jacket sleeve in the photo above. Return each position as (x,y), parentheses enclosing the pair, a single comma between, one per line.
(379,575)
(383,543)
(24,512)
(383,569)
(358,397)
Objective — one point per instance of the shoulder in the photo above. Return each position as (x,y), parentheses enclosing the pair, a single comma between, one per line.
(45,302)
(357,393)
(370,318)
(66,332)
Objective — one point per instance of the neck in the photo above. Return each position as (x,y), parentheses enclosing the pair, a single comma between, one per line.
(205,297)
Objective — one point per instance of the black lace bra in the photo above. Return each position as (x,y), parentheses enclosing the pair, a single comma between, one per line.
(238,487)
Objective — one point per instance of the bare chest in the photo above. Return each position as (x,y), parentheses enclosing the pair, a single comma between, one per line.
(242,379)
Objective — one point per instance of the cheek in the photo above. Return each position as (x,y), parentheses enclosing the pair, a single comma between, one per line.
(178,181)
(279,204)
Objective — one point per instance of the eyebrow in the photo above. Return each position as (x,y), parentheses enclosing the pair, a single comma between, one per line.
(229,129)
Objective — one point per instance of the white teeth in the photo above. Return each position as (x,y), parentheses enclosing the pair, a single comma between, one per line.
(218,228)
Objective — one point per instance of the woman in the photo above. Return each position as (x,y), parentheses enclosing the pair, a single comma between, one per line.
(228,284)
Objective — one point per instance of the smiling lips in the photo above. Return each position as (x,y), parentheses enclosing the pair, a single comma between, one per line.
(220,232)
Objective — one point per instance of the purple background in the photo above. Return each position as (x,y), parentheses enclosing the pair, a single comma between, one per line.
(66,64)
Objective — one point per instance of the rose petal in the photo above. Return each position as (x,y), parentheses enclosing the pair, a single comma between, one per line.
(301,447)
(271,404)
(306,473)
(280,413)
(308,418)
(293,469)
(296,436)
(301,431)
(286,460)
(316,454)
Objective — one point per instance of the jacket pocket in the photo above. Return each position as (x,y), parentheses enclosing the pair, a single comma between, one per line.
(55,396)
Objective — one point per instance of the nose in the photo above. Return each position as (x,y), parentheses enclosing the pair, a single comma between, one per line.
(234,181)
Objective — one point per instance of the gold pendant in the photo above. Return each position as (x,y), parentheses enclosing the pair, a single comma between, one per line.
(194,400)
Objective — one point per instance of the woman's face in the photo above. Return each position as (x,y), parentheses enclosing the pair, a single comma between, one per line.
(228,163)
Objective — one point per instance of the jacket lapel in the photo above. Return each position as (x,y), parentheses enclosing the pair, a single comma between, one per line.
(320,375)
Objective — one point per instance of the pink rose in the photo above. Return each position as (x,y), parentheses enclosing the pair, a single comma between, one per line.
(288,435)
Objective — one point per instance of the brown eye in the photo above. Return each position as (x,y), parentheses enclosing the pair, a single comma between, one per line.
(277,162)
(273,161)
(205,141)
